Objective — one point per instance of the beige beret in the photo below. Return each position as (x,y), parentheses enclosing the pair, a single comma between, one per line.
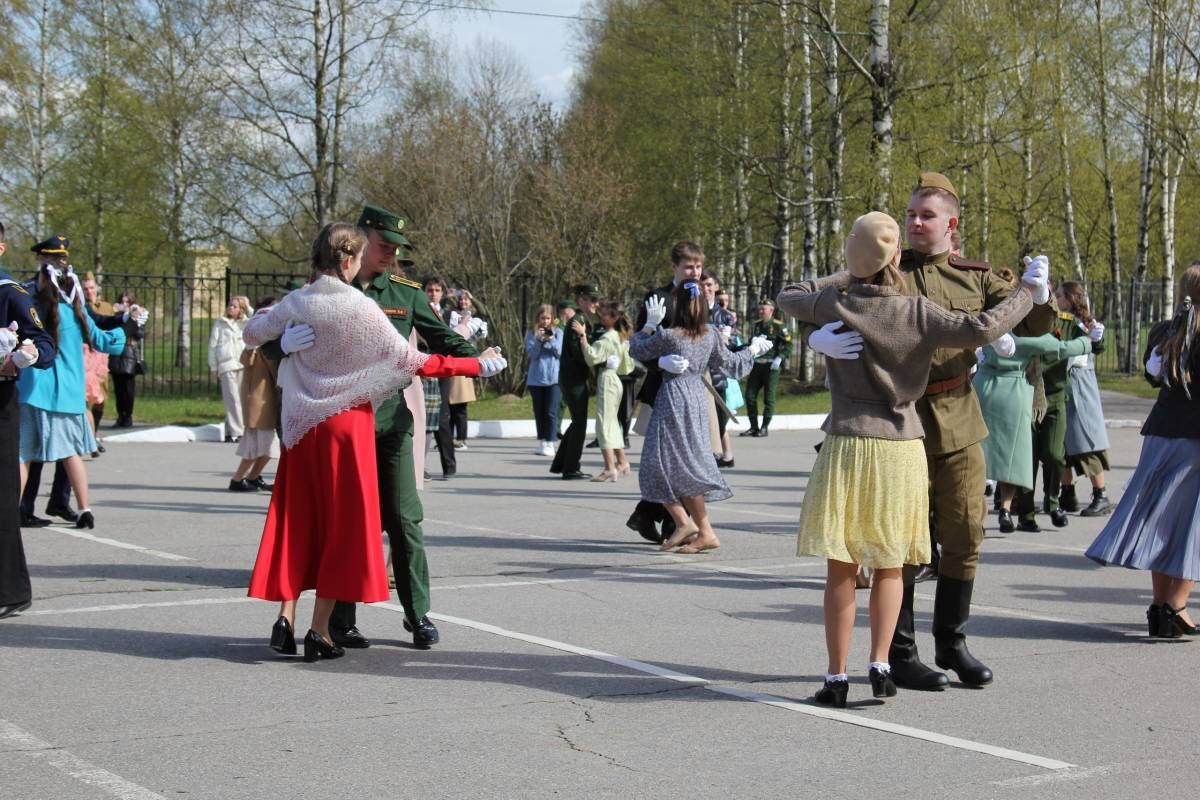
(872,243)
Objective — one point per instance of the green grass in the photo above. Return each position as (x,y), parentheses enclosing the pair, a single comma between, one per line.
(182,410)
(1127,384)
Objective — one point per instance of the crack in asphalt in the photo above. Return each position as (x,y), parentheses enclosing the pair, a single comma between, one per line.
(587,720)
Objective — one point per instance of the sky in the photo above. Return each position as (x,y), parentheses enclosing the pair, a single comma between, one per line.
(544,45)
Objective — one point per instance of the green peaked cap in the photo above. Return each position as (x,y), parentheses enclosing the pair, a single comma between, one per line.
(388,224)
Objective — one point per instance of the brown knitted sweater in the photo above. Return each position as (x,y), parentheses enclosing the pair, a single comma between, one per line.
(874,394)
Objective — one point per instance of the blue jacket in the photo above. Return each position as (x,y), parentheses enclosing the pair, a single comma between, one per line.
(543,358)
(60,387)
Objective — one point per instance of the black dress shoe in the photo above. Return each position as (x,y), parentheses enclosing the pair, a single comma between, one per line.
(833,693)
(283,639)
(1067,500)
(351,637)
(30,521)
(751,432)
(86,520)
(724,463)
(882,684)
(1059,518)
(926,572)
(62,512)
(644,527)
(1006,522)
(242,486)
(14,608)
(1028,524)
(425,633)
(576,476)
(260,484)
(100,448)
(317,648)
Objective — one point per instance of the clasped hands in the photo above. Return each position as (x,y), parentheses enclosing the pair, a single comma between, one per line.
(23,355)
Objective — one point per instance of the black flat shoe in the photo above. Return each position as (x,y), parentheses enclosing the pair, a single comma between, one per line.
(644,527)
(100,448)
(833,693)
(30,521)
(425,633)
(926,572)
(316,648)
(1006,522)
(724,463)
(882,684)
(576,476)
(1059,518)
(242,486)
(283,639)
(86,520)
(1028,524)
(751,432)
(62,512)
(350,637)
(260,484)
(14,608)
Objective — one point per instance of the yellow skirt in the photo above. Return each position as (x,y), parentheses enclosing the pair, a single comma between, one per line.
(867,503)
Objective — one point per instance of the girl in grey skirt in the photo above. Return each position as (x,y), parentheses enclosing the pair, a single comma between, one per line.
(1156,526)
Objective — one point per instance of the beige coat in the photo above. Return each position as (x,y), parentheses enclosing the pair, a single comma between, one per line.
(260,398)
(875,394)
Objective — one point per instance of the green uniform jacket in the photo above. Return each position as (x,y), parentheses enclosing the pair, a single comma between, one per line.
(780,337)
(1054,373)
(407,306)
(952,419)
(573,370)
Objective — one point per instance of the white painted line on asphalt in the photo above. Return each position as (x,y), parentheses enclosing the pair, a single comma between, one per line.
(204,601)
(78,534)
(70,764)
(753,696)
(1065,776)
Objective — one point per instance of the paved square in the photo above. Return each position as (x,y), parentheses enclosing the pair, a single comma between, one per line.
(576,661)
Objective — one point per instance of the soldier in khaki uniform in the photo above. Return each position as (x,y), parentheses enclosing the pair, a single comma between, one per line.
(954,428)
(764,375)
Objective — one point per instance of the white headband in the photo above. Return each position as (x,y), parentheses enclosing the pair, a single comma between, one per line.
(56,273)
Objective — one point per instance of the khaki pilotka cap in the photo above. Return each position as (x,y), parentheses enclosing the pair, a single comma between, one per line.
(873,242)
(936,180)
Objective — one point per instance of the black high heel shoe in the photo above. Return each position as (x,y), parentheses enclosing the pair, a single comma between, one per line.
(1171,625)
(86,520)
(882,684)
(833,693)
(1154,620)
(315,647)
(283,639)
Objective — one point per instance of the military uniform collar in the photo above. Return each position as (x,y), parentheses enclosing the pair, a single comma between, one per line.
(911,259)
(380,281)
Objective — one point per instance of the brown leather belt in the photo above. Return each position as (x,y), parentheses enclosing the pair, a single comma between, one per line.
(947,385)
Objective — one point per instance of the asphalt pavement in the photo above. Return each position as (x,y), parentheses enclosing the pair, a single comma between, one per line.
(576,660)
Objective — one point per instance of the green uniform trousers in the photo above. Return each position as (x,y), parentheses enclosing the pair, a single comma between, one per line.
(1050,453)
(401,513)
(956,510)
(762,378)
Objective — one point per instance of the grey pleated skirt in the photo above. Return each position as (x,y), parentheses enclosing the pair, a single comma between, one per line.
(1156,526)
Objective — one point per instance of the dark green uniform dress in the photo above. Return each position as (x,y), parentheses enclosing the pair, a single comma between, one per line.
(763,378)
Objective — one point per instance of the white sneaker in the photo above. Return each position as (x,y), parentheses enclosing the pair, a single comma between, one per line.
(548,448)
(540,450)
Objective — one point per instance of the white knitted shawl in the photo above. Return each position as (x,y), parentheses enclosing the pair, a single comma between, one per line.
(357,357)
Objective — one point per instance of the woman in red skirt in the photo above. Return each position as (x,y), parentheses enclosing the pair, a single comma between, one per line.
(323,528)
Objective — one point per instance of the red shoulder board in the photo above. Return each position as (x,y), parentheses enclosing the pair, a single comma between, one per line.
(962,263)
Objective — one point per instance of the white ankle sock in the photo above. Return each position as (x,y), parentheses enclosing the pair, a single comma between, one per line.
(840,677)
(882,666)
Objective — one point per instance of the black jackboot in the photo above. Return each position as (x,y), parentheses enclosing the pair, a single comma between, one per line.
(1067,500)
(907,670)
(951,609)
(1099,507)
(762,431)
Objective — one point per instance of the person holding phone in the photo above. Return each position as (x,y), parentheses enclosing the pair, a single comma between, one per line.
(543,346)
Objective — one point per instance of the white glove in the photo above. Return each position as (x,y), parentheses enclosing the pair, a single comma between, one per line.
(760,345)
(979,356)
(296,337)
(726,333)
(1154,365)
(612,362)
(478,328)
(8,339)
(836,345)
(22,359)
(776,363)
(491,366)
(673,363)
(1037,273)
(1005,346)
(1096,332)
(656,312)
(141,317)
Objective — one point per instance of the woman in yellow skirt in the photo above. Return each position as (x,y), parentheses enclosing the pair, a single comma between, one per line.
(867,501)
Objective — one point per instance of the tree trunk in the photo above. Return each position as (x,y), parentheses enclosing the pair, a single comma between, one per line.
(837,147)
(879,64)
(1145,181)
(1024,221)
(40,169)
(1116,304)
(1068,197)
(985,194)
(319,122)
(808,173)
(743,231)
(98,197)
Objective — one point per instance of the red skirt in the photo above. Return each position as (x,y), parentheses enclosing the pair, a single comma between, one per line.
(323,529)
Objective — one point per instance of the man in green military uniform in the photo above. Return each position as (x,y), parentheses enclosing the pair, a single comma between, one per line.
(574,377)
(954,428)
(1050,435)
(406,305)
(764,375)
